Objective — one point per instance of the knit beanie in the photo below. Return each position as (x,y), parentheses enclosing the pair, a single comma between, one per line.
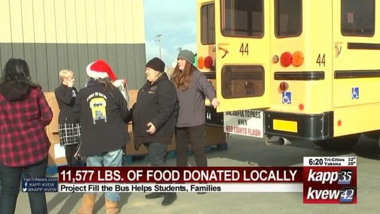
(156,64)
(186,55)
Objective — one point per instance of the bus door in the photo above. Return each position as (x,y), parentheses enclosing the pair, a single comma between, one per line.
(242,54)
(356,66)
(356,52)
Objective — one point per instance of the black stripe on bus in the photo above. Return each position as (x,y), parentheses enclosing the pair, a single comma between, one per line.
(350,74)
(210,75)
(301,75)
(363,46)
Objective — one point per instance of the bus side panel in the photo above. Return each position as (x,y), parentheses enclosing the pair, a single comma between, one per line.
(356,119)
(356,61)
(356,68)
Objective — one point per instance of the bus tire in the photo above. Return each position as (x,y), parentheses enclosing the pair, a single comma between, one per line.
(339,143)
(373,134)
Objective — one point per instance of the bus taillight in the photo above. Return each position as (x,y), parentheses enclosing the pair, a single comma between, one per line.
(297,59)
(284,86)
(201,64)
(208,62)
(286,59)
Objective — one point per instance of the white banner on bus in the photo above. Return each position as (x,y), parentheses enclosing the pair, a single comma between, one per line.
(244,122)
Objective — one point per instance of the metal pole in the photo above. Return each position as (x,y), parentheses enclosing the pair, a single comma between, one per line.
(159,44)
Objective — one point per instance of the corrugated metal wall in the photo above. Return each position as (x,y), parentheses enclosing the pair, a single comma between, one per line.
(55,34)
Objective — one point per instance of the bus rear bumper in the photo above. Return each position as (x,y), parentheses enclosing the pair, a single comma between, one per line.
(312,127)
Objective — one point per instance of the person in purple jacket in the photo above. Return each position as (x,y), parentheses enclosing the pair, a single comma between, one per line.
(192,89)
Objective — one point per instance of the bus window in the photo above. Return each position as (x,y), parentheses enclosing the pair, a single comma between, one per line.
(242,81)
(207,25)
(242,18)
(288,18)
(358,18)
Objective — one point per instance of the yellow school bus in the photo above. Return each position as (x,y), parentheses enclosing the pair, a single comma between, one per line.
(294,68)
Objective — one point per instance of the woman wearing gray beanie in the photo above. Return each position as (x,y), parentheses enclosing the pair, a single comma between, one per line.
(192,89)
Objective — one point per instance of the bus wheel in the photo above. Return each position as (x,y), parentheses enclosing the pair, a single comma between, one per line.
(373,135)
(339,143)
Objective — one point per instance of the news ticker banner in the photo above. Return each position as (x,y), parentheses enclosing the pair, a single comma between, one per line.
(321,180)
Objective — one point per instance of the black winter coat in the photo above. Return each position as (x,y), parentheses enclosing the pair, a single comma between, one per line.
(103,115)
(66,99)
(156,103)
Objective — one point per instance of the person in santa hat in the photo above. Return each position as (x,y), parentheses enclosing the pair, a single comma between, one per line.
(103,113)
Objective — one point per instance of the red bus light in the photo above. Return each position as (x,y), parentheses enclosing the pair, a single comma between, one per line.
(286,59)
(208,62)
(284,86)
(301,107)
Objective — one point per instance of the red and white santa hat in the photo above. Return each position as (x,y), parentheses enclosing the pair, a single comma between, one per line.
(99,70)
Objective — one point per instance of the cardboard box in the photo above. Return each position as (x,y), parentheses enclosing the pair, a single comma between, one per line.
(130,148)
(132,97)
(172,146)
(57,152)
(53,127)
(215,135)
(57,155)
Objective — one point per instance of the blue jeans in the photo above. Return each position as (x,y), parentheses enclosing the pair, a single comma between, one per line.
(113,158)
(10,178)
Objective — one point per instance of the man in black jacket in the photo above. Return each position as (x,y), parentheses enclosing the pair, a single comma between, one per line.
(154,118)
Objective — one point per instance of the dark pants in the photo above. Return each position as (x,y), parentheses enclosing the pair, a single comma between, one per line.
(157,153)
(194,135)
(10,178)
(70,152)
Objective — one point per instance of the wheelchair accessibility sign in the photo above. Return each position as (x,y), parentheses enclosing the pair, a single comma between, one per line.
(287,97)
(355,93)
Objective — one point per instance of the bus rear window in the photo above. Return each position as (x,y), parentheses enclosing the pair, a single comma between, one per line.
(358,17)
(207,24)
(288,18)
(243,81)
(242,18)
